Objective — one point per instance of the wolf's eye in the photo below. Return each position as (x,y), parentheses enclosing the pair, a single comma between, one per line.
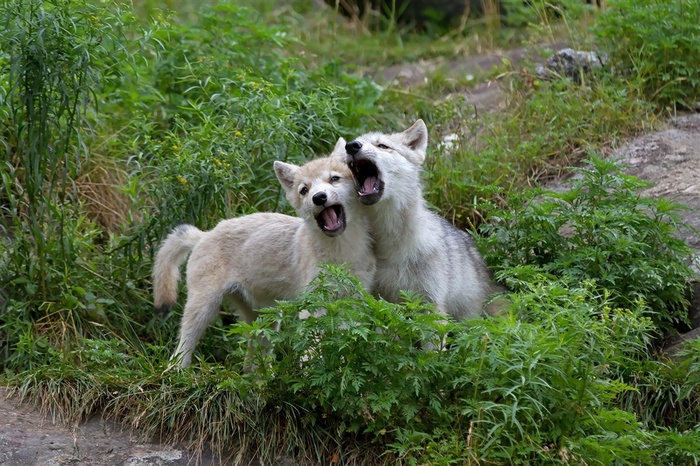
(335,178)
(383,146)
(303,191)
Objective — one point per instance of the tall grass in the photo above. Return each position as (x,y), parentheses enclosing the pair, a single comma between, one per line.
(656,43)
(49,70)
(55,57)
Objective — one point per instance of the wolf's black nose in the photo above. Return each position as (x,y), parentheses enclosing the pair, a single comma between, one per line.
(353,147)
(320,198)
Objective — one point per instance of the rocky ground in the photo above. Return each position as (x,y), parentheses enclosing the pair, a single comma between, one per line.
(27,439)
(669,158)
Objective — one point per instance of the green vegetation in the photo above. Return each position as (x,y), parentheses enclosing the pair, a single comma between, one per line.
(549,125)
(655,43)
(119,124)
(599,230)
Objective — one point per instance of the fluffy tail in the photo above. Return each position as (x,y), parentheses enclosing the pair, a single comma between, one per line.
(166,269)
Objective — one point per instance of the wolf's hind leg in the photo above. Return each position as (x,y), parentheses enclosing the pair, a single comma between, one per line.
(200,311)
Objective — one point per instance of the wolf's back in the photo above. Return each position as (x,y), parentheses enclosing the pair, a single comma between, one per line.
(166,268)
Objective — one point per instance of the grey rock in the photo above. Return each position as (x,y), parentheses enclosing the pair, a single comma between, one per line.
(570,63)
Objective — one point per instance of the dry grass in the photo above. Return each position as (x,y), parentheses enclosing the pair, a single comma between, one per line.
(98,187)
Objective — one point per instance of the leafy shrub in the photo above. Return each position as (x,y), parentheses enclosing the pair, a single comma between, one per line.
(506,387)
(537,385)
(657,43)
(603,230)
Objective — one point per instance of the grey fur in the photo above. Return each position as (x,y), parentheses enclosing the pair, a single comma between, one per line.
(416,249)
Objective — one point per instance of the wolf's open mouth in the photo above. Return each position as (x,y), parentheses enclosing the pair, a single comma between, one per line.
(368,180)
(331,220)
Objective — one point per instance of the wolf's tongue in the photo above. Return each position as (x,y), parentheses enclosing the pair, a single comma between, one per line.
(369,185)
(330,218)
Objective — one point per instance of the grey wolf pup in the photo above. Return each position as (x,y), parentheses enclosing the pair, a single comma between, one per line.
(416,249)
(255,260)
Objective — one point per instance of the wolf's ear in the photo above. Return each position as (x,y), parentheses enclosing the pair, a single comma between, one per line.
(285,173)
(416,137)
(339,150)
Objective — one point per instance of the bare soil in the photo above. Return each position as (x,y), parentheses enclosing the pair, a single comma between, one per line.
(27,439)
(669,158)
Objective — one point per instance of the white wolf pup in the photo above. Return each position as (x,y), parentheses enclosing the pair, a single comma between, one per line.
(416,249)
(260,258)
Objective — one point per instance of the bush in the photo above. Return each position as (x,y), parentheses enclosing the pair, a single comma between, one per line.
(50,60)
(602,230)
(55,56)
(513,389)
(655,42)
(537,385)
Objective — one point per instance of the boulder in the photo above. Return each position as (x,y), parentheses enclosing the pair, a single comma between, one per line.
(570,63)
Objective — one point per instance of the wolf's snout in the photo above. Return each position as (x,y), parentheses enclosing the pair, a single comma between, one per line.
(320,198)
(353,147)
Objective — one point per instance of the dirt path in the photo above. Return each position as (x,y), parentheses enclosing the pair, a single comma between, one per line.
(26,439)
(669,158)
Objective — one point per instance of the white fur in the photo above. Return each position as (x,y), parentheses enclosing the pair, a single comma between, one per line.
(258,259)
